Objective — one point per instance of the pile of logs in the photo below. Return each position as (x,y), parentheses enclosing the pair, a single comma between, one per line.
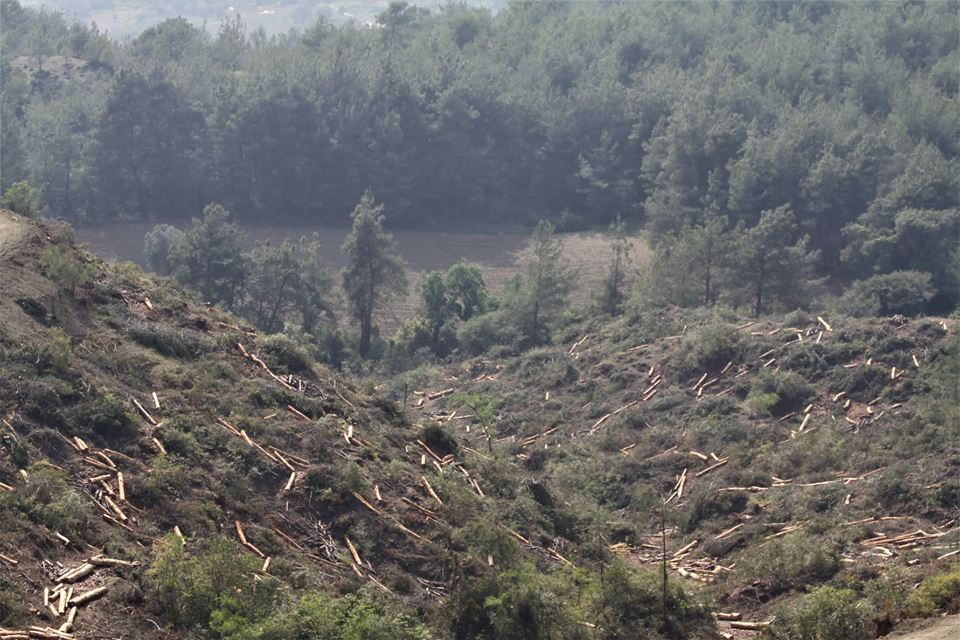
(63,599)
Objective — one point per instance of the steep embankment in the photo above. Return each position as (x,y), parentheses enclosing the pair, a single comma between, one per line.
(793,452)
(130,416)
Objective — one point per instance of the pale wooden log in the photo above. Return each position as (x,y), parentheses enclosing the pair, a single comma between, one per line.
(426,484)
(297,413)
(724,534)
(266,565)
(159,446)
(146,414)
(686,548)
(121,490)
(88,596)
(240,534)
(156,400)
(103,561)
(749,626)
(715,465)
(289,485)
(116,509)
(353,551)
(8,559)
(825,324)
(719,615)
(78,573)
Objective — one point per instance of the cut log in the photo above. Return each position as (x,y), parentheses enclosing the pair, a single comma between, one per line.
(715,465)
(8,559)
(159,446)
(88,596)
(102,561)
(734,615)
(298,413)
(825,324)
(266,565)
(749,626)
(146,414)
(426,484)
(724,534)
(121,490)
(240,534)
(289,485)
(353,551)
(440,394)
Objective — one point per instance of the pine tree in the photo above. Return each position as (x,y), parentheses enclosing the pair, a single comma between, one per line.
(770,263)
(373,272)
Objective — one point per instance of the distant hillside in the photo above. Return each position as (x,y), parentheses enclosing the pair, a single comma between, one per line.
(128,19)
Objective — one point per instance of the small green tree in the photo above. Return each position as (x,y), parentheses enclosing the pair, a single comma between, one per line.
(770,263)
(534,302)
(272,284)
(160,244)
(21,198)
(373,273)
(614,284)
(210,258)
(466,292)
(60,264)
(314,298)
(436,305)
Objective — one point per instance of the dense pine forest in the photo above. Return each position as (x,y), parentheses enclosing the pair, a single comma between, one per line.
(841,117)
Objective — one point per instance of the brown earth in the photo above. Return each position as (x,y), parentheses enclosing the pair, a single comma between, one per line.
(947,628)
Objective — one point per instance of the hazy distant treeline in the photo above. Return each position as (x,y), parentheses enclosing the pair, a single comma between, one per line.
(845,112)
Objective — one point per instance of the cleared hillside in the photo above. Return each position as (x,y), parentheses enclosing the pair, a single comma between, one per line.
(793,452)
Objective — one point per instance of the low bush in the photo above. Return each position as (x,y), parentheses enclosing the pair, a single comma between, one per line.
(179,343)
(904,292)
(709,348)
(826,614)
(284,355)
(779,392)
(791,562)
(210,589)
(939,593)
(316,615)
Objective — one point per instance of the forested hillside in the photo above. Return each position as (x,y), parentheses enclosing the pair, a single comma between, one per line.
(841,117)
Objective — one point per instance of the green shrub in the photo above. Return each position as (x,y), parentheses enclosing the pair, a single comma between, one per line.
(826,614)
(779,392)
(904,292)
(935,594)
(480,333)
(354,617)
(708,348)
(21,198)
(284,355)
(212,588)
(10,601)
(62,265)
(439,439)
(47,499)
(159,244)
(787,563)
(107,416)
(169,341)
